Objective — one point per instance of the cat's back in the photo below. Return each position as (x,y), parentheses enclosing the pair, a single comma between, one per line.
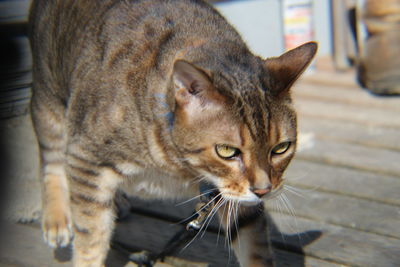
(119,41)
(70,27)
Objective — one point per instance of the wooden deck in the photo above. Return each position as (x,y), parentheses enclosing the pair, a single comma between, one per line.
(345,210)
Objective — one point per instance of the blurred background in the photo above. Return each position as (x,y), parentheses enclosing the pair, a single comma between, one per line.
(270,27)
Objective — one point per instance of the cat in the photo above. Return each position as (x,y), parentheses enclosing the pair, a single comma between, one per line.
(164,94)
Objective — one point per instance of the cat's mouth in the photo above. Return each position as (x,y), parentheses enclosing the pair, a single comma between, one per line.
(249,198)
(211,193)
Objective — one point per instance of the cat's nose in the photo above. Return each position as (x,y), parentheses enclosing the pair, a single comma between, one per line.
(262,192)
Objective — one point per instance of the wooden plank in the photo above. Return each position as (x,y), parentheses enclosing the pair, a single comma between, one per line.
(344,79)
(337,244)
(343,131)
(23,246)
(369,116)
(349,212)
(353,156)
(287,259)
(352,96)
(307,176)
(14,11)
(7,265)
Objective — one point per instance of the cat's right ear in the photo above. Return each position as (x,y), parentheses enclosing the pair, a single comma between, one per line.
(189,82)
(286,69)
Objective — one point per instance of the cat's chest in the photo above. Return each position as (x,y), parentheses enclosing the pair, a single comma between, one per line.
(156,184)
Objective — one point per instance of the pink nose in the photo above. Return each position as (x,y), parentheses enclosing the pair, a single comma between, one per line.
(262,192)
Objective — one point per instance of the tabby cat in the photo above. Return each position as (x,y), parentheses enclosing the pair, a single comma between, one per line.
(163,94)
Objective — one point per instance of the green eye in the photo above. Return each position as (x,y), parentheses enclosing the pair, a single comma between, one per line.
(227,152)
(281,148)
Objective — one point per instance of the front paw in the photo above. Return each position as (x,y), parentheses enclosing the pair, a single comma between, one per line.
(57,228)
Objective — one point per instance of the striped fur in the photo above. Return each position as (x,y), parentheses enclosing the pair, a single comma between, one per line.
(139,93)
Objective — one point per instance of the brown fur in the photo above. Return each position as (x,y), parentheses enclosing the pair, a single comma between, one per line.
(143,91)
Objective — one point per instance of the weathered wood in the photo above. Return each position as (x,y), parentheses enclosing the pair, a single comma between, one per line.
(347,132)
(349,212)
(328,77)
(310,176)
(350,95)
(14,11)
(368,116)
(287,259)
(16,63)
(353,156)
(340,245)
(23,246)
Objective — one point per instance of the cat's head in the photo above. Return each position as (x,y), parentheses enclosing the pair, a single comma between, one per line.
(238,131)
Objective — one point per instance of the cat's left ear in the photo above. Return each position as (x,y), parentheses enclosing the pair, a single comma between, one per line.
(189,82)
(286,69)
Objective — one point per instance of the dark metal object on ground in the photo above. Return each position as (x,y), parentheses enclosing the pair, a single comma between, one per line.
(181,238)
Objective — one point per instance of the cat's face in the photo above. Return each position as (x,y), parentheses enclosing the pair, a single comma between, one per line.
(243,149)
(241,166)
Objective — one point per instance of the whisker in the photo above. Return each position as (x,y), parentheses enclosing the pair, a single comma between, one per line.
(236,219)
(228,238)
(275,193)
(288,205)
(193,198)
(193,239)
(293,182)
(283,208)
(280,213)
(293,190)
(308,189)
(202,227)
(220,222)
(194,214)
(297,178)
(227,224)
(197,179)
(292,212)
(211,215)
(294,215)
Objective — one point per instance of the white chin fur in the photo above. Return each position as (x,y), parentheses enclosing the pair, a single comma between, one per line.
(248,200)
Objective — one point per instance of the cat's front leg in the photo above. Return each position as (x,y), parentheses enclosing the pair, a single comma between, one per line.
(92,193)
(247,228)
(56,218)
